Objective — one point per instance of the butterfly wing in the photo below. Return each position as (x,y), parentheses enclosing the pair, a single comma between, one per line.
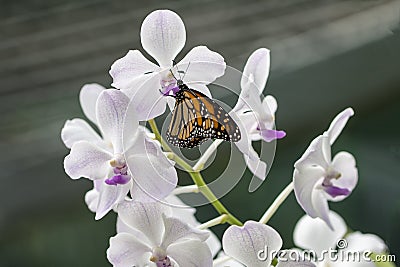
(196,118)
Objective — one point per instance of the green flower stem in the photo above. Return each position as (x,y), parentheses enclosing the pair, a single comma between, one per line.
(277,203)
(196,177)
(221,219)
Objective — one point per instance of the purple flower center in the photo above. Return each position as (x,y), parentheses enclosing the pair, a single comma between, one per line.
(270,135)
(335,191)
(121,176)
(169,86)
(165,262)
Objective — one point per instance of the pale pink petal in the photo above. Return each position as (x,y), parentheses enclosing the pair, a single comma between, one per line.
(202,65)
(338,124)
(87,160)
(111,195)
(191,253)
(256,69)
(88,97)
(130,67)
(245,243)
(163,36)
(126,250)
(78,130)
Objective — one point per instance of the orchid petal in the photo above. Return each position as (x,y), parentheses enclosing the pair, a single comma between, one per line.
(144,217)
(125,250)
(317,154)
(110,110)
(190,253)
(271,135)
(320,205)
(199,59)
(154,175)
(315,234)
(225,263)
(245,243)
(110,195)
(146,100)
(88,97)
(358,241)
(345,164)
(92,199)
(126,69)
(87,160)
(338,124)
(256,69)
(176,230)
(163,36)
(305,181)
(202,88)
(78,130)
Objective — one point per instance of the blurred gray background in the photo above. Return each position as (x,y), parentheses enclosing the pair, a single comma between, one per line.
(326,55)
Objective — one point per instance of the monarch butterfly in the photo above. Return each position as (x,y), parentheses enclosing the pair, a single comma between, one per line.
(196,118)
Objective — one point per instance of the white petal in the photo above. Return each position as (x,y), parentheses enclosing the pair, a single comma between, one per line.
(154,175)
(320,205)
(246,244)
(88,97)
(225,263)
(338,124)
(191,253)
(111,111)
(202,88)
(204,65)
(315,234)
(318,153)
(125,250)
(305,181)
(126,69)
(146,100)
(92,199)
(87,160)
(358,241)
(256,69)
(176,230)
(110,196)
(270,105)
(144,217)
(256,166)
(78,130)
(163,36)
(345,164)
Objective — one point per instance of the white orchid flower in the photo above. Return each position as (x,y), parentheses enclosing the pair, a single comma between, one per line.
(256,117)
(319,178)
(138,165)
(163,36)
(151,235)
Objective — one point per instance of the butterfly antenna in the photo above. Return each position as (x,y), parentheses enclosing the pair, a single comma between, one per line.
(186,70)
(172,74)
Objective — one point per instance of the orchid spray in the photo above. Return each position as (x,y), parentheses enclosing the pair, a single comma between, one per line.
(134,170)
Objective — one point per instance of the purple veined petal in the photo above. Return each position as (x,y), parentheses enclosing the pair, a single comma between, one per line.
(163,36)
(130,67)
(176,230)
(109,197)
(271,135)
(203,65)
(76,130)
(88,98)
(305,182)
(335,191)
(154,175)
(256,69)
(126,250)
(143,145)
(87,160)
(247,244)
(147,102)
(145,217)
(318,153)
(345,164)
(190,253)
(111,111)
(315,234)
(338,124)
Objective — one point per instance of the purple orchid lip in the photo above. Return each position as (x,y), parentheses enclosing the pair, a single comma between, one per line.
(270,135)
(118,179)
(335,191)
